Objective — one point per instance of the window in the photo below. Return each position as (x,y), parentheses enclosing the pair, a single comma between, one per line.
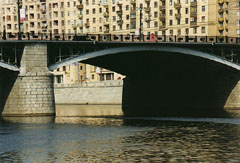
(170,22)
(179,32)
(186,11)
(178,21)
(238,31)
(155,4)
(203,18)
(195,30)
(155,14)
(203,8)
(238,13)
(148,24)
(186,20)
(203,30)
(127,26)
(170,12)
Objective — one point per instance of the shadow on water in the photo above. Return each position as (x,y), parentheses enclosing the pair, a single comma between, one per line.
(7,80)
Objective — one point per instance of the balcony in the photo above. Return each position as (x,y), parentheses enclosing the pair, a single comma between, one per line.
(220,28)
(119,3)
(147,9)
(193,14)
(80,6)
(44,18)
(178,16)
(162,28)
(106,31)
(147,19)
(106,14)
(193,24)
(162,8)
(193,4)
(162,17)
(80,16)
(43,10)
(120,22)
(87,25)
(221,10)
(119,12)
(106,23)
(133,1)
(221,19)
(177,5)
(220,1)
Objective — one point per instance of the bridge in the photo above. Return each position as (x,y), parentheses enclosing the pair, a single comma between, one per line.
(167,75)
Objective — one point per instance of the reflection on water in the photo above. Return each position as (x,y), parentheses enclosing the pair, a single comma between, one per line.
(75,139)
(117,139)
(88,110)
(43,119)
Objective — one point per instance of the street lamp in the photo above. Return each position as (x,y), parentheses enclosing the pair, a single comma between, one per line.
(19,28)
(140,25)
(75,25)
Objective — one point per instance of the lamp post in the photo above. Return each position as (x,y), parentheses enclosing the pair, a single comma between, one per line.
(19,28)
(140,25)
(75,30)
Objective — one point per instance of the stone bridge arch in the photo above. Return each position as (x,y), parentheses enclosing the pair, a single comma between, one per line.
(169,80)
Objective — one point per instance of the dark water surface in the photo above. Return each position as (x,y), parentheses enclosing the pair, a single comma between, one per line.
(75,139)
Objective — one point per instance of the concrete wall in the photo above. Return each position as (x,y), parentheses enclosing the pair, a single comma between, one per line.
(105,92)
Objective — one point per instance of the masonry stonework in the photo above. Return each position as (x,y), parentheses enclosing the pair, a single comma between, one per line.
(32,93)
(92,93)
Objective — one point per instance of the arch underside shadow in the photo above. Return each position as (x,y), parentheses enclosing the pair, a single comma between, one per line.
(172,83)
(7,79)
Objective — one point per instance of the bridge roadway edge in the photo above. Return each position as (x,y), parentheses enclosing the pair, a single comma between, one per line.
(32,93)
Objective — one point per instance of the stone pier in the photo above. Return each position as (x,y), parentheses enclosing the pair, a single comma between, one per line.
(32,94)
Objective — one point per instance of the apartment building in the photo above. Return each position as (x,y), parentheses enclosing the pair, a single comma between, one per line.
(79,72)
(162,17)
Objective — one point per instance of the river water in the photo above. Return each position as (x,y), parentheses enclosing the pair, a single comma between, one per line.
(118,139)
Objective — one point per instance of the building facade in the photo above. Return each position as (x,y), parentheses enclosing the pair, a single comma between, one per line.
(79,72)
(162,17)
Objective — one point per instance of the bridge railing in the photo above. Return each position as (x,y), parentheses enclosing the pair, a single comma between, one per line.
(118,37)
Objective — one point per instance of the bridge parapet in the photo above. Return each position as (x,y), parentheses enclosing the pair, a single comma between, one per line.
(120,38)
